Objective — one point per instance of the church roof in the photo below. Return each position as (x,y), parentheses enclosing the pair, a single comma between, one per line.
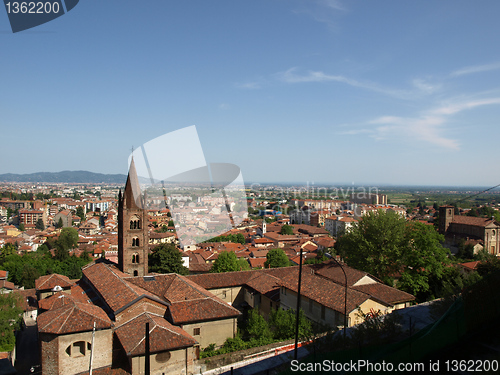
(474,221)
(73,317)
(132,192)
(113,288)
(163,336)
(50,281)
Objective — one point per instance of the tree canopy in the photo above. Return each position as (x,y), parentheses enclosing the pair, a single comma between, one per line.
(386,245)
(10,315)
(228,262)
(286,229)
(166,258)
(276,258)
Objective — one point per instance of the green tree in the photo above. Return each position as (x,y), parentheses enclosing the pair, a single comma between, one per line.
(282,324)
(80,213)
(10,317)
(166,258)
(424,260)
(39,225)
(385,244)
(8,249)
(257,328)
(29,274)
(225,262)
(286,229)
(21,227)
(59,223)
(243,264)
(276,258)
(68,238)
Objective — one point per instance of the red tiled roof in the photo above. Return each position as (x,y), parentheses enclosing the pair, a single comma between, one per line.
(112,287)
(198,310)
(70,318)
(257,262)
(163,336)
(385,293)
(314,287)
(474,221)
(56,300)
(48,282)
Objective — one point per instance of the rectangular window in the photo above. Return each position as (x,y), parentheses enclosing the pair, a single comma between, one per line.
(196,331)
(224,294)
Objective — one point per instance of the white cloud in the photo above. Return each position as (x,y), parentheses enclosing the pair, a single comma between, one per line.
(249,85)
(475,69)
(323,11)
(224,106)
(429,127)
(425,86)
(290,76)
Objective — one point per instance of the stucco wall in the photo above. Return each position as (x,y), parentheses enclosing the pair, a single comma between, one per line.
(215,332)
(76,362)
(170,362)
(230,295)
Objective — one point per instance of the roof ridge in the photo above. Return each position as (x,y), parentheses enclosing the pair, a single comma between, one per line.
(143,338)
(67,317)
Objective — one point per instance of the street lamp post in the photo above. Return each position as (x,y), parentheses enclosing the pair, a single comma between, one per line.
(345,297)
(298,308)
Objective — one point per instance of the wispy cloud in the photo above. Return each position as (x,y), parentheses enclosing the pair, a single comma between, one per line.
(323,11)
(430,126)
(224,106)
(475,69)
(425,86)
(249,85)
(290,76)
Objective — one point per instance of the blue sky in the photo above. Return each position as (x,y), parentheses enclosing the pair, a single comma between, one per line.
(364,92)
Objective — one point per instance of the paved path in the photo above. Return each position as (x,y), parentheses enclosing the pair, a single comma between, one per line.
(27,348)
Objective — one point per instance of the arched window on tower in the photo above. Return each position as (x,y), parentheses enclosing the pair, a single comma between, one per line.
(135,242)
(135,223)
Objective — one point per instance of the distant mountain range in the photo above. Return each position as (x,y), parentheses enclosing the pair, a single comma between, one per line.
(65,177)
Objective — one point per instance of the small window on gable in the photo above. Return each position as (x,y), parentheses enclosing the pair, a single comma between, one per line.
(78,349)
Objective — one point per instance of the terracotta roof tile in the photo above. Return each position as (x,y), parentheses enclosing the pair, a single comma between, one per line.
(50,281)
(385,293)
(69,318)
(314,287)
(163,336)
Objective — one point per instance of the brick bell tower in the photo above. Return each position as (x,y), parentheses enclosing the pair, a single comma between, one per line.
(133,239)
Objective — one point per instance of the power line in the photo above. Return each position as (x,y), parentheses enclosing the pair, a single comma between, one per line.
(475,195)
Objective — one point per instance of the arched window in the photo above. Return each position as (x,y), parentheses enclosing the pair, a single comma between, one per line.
(136,273)
(137,258)
(133,258)
(135,242)
(135,223)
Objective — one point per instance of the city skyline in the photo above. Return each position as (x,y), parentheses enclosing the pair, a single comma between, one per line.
(291,91)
